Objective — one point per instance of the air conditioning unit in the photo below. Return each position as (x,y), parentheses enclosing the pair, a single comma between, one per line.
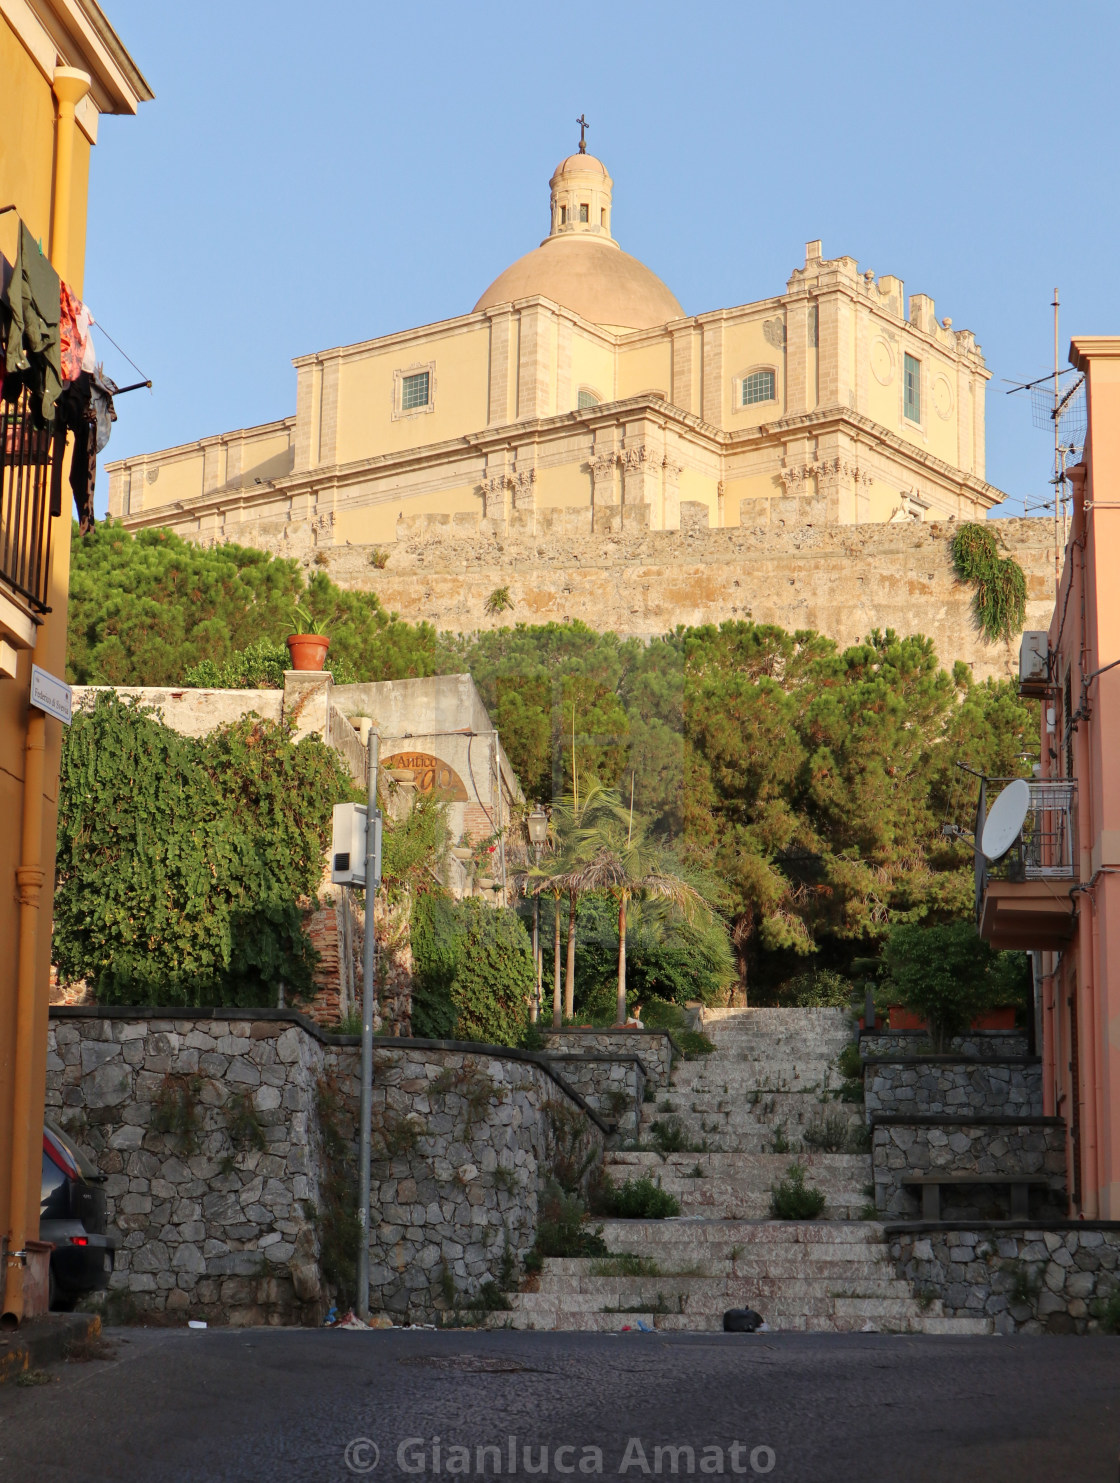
(1034,662)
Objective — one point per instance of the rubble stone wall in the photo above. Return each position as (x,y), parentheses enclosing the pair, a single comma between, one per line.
(901,1150)
(614,1085)
(983,1045)
(229,1146)
(953,1086)
(654,1048)
(1027,1280)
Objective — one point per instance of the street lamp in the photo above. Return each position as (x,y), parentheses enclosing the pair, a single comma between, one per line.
(538,837)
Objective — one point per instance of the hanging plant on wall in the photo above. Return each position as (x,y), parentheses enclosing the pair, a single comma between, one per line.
(1000,595)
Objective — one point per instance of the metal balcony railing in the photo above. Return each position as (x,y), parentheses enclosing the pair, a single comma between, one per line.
(30,494)
(1046,847)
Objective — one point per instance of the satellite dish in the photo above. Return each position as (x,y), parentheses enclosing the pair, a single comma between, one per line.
(1005,819)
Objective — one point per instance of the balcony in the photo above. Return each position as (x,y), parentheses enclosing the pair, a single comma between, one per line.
(1023,899)
(30,494)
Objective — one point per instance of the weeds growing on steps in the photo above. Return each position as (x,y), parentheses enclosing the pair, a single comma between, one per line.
(670,1137)
(626,1264)
(793,1199)
(779,1143)
(833,1133)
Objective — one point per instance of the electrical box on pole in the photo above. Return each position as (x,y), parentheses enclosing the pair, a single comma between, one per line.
(348,845)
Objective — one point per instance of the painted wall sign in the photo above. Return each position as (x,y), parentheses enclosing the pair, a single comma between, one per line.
(430,774)
(51,695)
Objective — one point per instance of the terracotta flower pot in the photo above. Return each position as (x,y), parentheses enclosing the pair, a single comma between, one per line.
(308,650)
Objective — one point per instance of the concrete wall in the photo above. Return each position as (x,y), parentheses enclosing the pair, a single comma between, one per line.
(230,1224)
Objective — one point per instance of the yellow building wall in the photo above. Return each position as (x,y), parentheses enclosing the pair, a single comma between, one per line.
(366,426)
(646,367)
(593,367)
(566,485)
(26,143)
(178,479)
(746,349)
(695,486)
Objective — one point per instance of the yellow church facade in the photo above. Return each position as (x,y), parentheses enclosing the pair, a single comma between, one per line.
(577,396)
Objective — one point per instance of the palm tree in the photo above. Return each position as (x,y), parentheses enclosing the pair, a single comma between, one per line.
(611,852)
(571,815)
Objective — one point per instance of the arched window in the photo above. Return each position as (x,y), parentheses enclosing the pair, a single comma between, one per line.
(587,398)
(758,387)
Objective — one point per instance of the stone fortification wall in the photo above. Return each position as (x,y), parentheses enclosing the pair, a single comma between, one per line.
(841,580)
(902,1149)
(229,1147)
(1028,1281)
(953,1086)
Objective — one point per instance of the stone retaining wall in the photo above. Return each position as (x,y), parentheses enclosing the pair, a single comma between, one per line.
(462,1141)
(654,1048)
(1027,1280)
(953,1086)
(981,1045)
(902,1149)
(613,1085)
(229,1149)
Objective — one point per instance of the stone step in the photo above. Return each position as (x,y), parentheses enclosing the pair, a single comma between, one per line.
(585,1291)
(777,1264)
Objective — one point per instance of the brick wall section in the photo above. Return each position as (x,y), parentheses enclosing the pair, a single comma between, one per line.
(1027,1280)
(215,1227)
(953,1087)
(902,1149)
(654,1048)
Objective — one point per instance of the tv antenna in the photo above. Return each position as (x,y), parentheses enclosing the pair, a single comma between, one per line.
(1059,405)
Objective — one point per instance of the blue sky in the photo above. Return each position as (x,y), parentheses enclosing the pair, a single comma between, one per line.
(313,175)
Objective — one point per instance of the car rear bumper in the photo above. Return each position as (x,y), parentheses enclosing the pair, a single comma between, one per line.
(84,1268)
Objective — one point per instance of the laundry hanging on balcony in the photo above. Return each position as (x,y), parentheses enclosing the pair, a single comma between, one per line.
(76,342)
(33,355)
(86,409)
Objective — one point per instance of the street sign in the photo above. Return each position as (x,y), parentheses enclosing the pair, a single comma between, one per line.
(51,695)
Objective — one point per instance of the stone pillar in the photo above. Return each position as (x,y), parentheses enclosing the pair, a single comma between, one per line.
(522,514)
(605,503)
(671,494)
(641,478)
(534,369)
(684,348)
(712,393)
(498,411)
(307,700)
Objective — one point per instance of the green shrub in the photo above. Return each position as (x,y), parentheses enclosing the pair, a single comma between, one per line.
(1000,596)
(182,860)
(949,975)
(820,988)
(792,1199)
(693,1044)
(561,1227)
(638,1199)
(1107,1312)
(474,971)
(850,1062)
(830,1133)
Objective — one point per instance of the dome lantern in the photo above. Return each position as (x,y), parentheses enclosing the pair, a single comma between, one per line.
(581,198)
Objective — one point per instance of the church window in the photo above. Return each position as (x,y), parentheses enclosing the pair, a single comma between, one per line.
(586,398)
(414,391)
(603,217)
(563,216)
(912,388)
(758,387)
(583,212)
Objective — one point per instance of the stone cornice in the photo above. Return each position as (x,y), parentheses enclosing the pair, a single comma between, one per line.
(510,435)
(1087,348)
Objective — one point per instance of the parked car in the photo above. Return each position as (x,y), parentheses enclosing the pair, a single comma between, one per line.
(72,1217)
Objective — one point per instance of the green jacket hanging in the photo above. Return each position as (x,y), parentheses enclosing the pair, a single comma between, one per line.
(33,339)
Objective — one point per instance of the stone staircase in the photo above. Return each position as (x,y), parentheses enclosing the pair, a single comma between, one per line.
(742,1114)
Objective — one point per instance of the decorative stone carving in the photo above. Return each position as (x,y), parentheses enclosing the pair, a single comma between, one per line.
(793,478)
(775,332)
(322,528)
(521,487)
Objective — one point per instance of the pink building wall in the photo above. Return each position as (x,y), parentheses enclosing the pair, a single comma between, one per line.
(1081,985)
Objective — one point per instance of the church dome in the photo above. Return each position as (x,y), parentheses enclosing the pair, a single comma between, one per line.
(579,265)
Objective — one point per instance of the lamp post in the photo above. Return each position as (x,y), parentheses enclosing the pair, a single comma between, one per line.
(538,837)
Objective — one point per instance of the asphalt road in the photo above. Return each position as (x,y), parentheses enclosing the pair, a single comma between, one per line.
(244,1406)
